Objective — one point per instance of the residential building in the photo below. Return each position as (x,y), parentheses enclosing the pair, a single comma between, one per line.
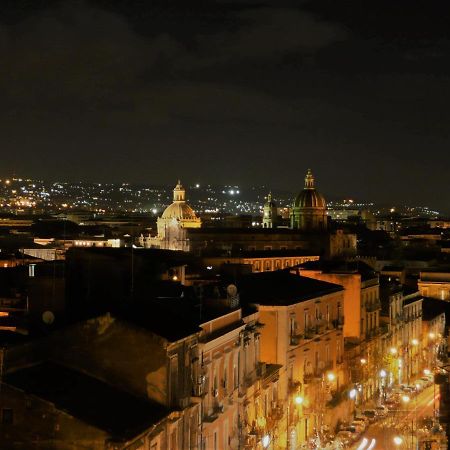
(303,333)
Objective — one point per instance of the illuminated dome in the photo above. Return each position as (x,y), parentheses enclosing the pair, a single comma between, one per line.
(179,209)
(309,211)
(309,197)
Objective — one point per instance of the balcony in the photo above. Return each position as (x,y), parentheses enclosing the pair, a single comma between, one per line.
(374,306)
(311,332)
(295,339)
(338,323)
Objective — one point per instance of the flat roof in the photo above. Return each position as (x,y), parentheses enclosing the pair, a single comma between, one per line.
(281,288)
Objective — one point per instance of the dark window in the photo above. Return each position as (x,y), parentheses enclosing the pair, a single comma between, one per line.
(7,416)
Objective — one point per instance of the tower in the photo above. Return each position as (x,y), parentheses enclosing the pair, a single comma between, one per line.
(270,213)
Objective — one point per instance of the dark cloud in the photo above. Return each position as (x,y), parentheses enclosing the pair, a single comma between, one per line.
(233,91)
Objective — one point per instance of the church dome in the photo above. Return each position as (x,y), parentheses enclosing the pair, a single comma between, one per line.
(309,197)
(179,209)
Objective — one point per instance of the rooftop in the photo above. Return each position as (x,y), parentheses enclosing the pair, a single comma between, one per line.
(114,411)
(282,288)
(432,307)
(343,267)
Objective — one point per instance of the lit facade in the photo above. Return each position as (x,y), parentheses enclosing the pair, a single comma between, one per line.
(172,225)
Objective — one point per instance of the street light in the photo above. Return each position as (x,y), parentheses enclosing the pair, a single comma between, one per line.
(299,400)
(393,350)
(331,376)
(265,440)
(352,394)
(398,440)
(405,399)
(383,373)
(427,371)
(415,342)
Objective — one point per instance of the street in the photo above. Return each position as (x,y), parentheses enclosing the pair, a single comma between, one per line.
(399,423)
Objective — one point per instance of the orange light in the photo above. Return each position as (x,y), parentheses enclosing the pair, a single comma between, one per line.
(4,314)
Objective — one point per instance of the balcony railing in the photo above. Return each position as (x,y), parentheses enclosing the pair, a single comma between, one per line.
(374,306)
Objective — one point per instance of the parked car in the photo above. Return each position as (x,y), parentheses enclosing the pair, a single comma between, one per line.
(345,437)
(371,414)
(391,403)
(359,425)
(381,411)
(362,419)
(355,434)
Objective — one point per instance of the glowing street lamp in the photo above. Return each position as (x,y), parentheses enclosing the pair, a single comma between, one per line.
(393,351)
(426,371)
(331,376)
(352,394)
(432,335)
(406,399)
(383,373)
(299,400)
(398,440)
(415,342)
(363,361)
(265,440)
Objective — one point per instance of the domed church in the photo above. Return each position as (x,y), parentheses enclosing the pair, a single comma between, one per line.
(172,224)
(309,211)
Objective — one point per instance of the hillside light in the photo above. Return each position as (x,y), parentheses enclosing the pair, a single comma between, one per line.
(383,373)
(405,399)
(265,441)
(398,440)
(352,394)
(299,400)
(415,342)
(393,351)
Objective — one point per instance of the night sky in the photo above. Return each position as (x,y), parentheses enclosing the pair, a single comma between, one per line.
(248,92)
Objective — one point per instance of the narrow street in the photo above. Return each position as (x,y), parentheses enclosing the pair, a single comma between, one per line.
(400,422)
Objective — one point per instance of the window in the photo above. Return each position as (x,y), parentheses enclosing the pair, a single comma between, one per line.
(173,378)
(7,416)
(236,372)
(292,325)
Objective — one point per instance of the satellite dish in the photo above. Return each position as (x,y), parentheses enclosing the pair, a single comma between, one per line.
(48,317)
(232,290)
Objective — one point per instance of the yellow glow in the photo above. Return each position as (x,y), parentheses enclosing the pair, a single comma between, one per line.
(405,399)
(174,278)
(299,399)
(431,335)
(398,440)
(363,360)
(393,350)
(427,371)
(415,342)
(331,376)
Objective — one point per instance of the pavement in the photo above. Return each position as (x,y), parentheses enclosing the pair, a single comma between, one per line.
(399,423)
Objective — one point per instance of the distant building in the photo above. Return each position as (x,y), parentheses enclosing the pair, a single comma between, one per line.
(270,213)
(173,223)
(309,211)
(435,283)
(263,260)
